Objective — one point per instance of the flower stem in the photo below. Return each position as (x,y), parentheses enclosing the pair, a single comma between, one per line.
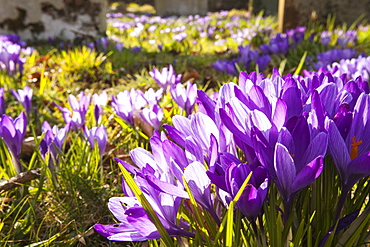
(340,204)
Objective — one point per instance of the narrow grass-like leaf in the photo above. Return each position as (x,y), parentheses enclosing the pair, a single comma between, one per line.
(299,234)
(230,212)
(221,229)
(198,214)
(229,224)
(301,63)
(282,66)
(329,241)
(167,240)
(45,242)
(352,234)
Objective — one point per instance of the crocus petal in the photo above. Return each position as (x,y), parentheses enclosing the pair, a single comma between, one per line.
(182,124)
(301,137)
(292,98)
(357,169)
(130,168)
(192,151)
(259,98)
(139,219)
(250,202)
(207,103)
(119,232)
(232,127)
(316,148)
(175,134)
(118,206)
(308,174)
(328,92)
(166,187)
(280,114)
(141,157)
(319,110)
(338,149)
(202,134)
(199,183)
(284,169)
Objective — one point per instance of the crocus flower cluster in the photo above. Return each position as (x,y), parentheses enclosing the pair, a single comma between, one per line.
(166,77)
(344,38)
(210,28)
(284,126)
(75,117)
(169,81)
(350,68)
(261,57)
(52,143)
(134,105)
(281,44)
(11,48)
(334,55)
(98,134)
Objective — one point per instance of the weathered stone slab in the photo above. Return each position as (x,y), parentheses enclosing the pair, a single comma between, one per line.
(41,19)
(300,12)
(181,7)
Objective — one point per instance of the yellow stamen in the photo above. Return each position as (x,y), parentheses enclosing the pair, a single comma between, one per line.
(354,147)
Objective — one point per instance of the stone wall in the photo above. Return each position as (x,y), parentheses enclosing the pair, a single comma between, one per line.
(181,7)
(345,10)
(41,19)
(213,5)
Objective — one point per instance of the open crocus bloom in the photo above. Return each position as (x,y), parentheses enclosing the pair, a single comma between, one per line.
(349,141)
(13,132)
(24,96)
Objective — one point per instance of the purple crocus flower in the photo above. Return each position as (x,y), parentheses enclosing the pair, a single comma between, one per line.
(100,135)
(166,78)
(127,105)
(263,61)
(279,44)
(134,223)
(99,101)
(104,43)
(247,55)
(330,56)
(226,67)
(10,57)
(153,116)
(200,186)
(349,142)
(184,97)
(136,49)
(119,46)
(161,190)
(296,34)
(325,37)
(13,132)
(24,96)
(52,142)
(180,36)
(76,117)
(253,196)
(288,179)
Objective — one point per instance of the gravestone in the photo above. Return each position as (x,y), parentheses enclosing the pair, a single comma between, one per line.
(293,13)
(181,7)
(42,19)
